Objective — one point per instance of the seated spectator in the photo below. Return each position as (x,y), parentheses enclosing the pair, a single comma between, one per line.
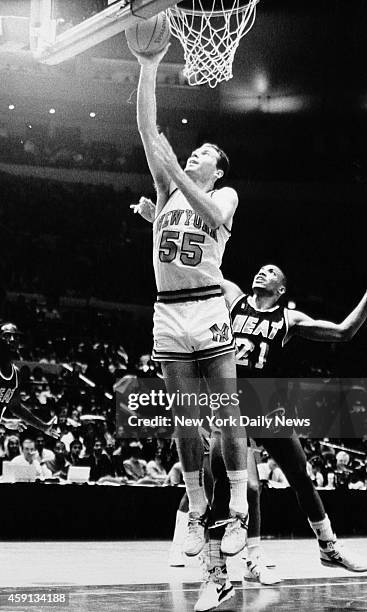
(271,472)
(330,483)
(155,468)
(99,461)
(74,457)
(314,469)
(72,435)
(12,447)
(174,476)
(135,467)
(27,457)
(2,441)
(43,454)
(59,465)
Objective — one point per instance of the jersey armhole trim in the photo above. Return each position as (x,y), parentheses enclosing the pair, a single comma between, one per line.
(235,302)
(170,194)
(286,319)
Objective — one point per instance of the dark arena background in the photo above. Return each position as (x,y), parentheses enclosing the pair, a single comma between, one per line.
(76,277)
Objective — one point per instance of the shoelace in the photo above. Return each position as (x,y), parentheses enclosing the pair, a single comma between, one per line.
(234,527)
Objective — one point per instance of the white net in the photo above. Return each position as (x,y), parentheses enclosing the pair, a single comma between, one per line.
(210,38)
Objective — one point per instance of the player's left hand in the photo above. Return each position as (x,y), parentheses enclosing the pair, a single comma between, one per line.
(166,155)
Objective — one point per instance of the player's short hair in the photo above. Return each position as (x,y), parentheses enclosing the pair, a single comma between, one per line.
(223,160)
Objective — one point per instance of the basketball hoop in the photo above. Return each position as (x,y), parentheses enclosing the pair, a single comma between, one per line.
(209,32)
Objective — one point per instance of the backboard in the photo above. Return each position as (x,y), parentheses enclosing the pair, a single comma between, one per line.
(60,29)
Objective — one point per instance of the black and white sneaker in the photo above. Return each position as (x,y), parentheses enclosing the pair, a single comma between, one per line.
(333,554)
(216,589)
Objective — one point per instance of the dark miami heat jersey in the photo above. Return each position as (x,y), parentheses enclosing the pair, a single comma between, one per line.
(8,386)
(259,335)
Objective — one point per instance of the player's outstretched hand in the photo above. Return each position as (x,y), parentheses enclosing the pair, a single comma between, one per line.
(146,59)
(145,208)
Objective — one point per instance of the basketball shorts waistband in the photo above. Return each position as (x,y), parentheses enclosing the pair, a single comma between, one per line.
(186,295)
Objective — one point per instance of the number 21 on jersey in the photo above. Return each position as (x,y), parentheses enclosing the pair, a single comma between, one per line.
(244,349)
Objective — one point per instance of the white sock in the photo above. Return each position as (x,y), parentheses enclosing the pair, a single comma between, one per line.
(323,530)
(238,482)
(180,528)
(195,492)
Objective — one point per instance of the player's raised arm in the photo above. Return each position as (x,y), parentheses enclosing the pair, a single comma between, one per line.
(147,116)
(327,331)
(216,209)
(231,292)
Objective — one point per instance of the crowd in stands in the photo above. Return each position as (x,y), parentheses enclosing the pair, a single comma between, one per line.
(66,149)
(60,152)
(328,467)
(70,362)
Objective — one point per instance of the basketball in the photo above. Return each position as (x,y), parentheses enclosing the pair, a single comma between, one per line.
(150,36)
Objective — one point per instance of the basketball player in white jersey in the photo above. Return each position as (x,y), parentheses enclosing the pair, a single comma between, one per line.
(192,329)
(9,386)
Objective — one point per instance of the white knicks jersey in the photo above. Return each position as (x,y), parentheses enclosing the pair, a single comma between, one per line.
(187,253)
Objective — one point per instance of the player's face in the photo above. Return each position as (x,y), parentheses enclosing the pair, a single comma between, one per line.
(202,162)
(9,340)
(269,279)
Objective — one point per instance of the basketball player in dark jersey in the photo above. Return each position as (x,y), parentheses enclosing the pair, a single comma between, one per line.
(262,327)
(9,386)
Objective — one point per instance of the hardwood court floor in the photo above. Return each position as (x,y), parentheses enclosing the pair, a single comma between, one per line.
(133,576)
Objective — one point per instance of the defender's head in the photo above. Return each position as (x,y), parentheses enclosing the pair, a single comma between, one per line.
(208,163)
(9,340)
(270,280)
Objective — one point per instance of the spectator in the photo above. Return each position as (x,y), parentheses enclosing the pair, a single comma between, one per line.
(59,465)
(12,447)
(43,454)
(74,457)
(314,469)
(27,457)
(155,468)
(99,461)
(2,441)
(135,467)
(271,472)
(71,436)
(174,476)
(330,481)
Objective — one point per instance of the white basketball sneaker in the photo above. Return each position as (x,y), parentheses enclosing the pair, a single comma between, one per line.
(215,589)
